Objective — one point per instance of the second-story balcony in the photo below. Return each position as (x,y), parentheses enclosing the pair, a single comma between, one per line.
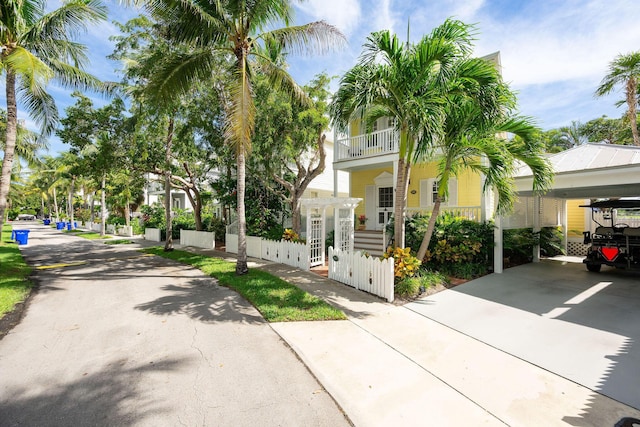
(379,143)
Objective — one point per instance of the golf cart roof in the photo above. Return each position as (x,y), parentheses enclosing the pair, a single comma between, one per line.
(615,204)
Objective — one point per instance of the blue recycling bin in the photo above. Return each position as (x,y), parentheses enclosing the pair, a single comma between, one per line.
(69,226)
(75,224)
(59,225)
(46,221)
(21,236)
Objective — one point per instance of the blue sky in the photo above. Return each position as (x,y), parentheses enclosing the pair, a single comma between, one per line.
(554,53)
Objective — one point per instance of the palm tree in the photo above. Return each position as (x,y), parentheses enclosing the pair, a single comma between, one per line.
(625,70)
(405,82)
(34,47)
(475,138)
(215,31)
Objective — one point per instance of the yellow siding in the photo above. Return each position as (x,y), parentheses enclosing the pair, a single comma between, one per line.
(469,190)
(359,182)
(576,217)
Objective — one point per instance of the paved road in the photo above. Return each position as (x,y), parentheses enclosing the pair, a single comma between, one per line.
(125,339)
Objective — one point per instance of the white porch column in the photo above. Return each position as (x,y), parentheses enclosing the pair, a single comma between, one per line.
(537,211)
(337,243)
(498,255)
(324,234)
(565,226)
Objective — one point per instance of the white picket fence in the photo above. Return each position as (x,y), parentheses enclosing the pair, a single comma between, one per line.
(198,239)
(368,274)
(283,251)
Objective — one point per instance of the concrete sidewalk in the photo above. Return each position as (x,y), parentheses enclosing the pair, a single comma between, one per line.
(389,365)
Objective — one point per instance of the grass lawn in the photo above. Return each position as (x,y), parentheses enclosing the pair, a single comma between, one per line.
(14,272)
(118,242)
(275,299)
(90,235)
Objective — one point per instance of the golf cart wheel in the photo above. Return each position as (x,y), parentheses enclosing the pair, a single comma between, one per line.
(595,268)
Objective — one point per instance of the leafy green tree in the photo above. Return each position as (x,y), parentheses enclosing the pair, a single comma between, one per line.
(35,47)
(248,33)
(290,144)
(405,82)
(98,137)
(625,70)
(607,130)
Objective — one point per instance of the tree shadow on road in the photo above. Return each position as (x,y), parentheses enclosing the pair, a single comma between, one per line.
(107,397)
(203,300)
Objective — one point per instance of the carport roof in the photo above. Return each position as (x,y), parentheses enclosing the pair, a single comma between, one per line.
(590,171)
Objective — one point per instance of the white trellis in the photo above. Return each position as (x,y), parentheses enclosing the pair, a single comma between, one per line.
(316,213)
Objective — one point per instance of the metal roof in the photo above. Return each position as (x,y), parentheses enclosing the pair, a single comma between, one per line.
(590,156)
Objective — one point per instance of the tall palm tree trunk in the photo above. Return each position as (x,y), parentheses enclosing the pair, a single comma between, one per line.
(430,227)
(55,204)
(10,143)
(241,265)
(168,246)
(71,193)
(103,208)
(402,186)
(632,102)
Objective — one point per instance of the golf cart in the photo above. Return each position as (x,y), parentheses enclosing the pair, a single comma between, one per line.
(613,243)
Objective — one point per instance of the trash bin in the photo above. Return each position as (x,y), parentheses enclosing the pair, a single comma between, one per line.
(21,236)
(59,225)
(46,221)
(75,224)
(69,226)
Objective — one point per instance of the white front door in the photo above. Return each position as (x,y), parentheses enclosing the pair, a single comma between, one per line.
(370,206)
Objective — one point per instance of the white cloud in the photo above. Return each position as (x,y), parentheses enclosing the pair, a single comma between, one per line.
(562,42)
(343,14)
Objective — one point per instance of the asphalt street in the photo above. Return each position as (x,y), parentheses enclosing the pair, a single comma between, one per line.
(114,337)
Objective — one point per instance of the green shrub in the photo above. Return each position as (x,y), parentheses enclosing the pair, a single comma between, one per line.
(115,219)
(518,244)
(216,225)
(408,287)
(412,286)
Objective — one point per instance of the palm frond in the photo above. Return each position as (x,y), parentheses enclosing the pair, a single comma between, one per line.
(34,73)
(42,107)
(176,74)
(312,38)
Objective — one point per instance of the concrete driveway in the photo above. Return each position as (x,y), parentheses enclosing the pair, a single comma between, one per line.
(118,338)
(579,325)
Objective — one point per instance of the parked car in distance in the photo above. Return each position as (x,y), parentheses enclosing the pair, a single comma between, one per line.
(26,217)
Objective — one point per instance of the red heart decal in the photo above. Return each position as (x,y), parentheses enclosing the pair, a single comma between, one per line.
(609,253)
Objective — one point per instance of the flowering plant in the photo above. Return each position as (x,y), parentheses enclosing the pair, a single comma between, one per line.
(362,219)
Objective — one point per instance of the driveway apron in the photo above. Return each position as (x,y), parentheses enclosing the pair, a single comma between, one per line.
(115,337)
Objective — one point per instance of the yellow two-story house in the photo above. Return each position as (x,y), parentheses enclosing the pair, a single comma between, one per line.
(371,158)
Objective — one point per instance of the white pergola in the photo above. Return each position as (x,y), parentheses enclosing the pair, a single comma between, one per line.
(316,210)
(589,171)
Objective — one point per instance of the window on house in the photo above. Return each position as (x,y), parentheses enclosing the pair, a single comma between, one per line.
(385,197)
(434,193)
(391,122)
(429,193)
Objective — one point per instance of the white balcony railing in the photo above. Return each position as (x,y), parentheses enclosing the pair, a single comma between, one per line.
(367,145)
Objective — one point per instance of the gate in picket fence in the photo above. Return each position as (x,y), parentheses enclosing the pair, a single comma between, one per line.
(369,274)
